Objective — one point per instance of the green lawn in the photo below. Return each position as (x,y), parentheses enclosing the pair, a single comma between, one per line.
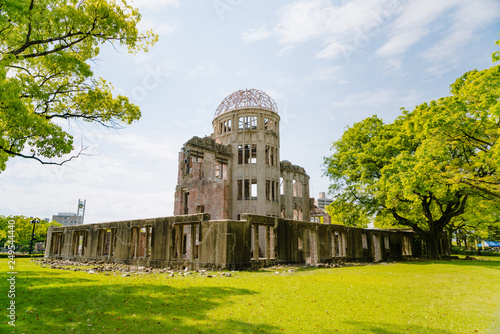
(411,297)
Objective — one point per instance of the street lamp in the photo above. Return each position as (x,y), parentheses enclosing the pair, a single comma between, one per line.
(33,221)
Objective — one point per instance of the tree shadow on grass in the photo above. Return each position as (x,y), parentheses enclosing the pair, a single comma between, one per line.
(36,279)
(128,304)
(367,327)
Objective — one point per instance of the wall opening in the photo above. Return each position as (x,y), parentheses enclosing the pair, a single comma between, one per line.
(57,243)
(105,242)
(141,242)
(364,242)
(79,242)
(185,200)
(406,246)
(185,241)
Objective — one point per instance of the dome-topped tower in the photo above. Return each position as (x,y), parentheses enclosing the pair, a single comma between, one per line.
(248,121)
(244,99)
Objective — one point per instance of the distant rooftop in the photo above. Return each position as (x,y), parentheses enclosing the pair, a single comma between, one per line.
(66,214)
(248,98)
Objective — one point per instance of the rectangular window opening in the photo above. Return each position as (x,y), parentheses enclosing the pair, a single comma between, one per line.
(246,189)
(247,154)
(252,242)
(141,247)
(149,243)
(240,154)
(272,243)
(253,156)
(186,242)
(262,242)
(254,189)
(240,189)
(133,242)
(253,122)
(196,241)
(186,202)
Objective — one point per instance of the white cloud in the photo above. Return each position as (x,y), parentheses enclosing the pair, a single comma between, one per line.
(203,70)
(468,17)
(348,27)
(340,28)
(134,180)
(256,34)
(160,28)
(417,19)
(413,24)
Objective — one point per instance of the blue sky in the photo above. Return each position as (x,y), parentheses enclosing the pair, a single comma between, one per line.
(327,64)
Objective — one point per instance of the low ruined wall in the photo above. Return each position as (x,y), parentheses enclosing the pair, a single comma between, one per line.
(195,241)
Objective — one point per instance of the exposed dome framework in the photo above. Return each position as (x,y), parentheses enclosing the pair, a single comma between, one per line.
(248,98)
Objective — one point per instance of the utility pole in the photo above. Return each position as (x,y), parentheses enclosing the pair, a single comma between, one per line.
(33,221)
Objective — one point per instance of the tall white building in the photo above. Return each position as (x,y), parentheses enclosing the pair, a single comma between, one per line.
(68,218)
(321,202)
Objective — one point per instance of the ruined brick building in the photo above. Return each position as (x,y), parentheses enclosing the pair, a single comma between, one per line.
(236,206)
(238,169)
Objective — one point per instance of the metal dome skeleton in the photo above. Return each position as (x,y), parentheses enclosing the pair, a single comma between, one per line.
(248,98)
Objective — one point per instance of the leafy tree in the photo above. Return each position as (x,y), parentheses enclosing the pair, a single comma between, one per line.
(23,230)
(45,75)
(421,170)
(480,217)
(357,215)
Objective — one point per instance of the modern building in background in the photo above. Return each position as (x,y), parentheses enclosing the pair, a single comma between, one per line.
(322,202)
(71,218)
(318,213)
(67,218)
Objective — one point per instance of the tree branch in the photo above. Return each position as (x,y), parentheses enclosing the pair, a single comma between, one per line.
(34,157)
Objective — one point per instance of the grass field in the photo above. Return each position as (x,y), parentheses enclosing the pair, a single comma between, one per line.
(411,297)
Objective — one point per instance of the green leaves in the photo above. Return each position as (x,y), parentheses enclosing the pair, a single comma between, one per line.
(422,168)
(45,75)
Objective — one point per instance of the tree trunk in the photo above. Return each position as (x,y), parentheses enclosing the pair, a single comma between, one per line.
(433,247)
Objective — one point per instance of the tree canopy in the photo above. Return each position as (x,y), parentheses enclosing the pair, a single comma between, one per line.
(23,230)
(45,75)
(421,170)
